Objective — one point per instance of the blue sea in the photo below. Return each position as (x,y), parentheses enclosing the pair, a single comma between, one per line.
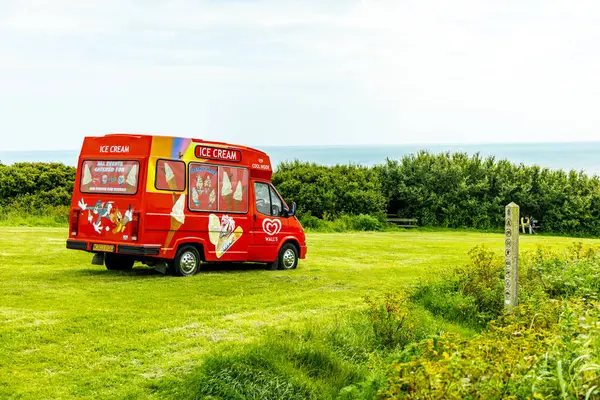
(567,156)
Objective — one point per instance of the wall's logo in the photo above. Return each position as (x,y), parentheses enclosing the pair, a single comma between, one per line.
(271,226)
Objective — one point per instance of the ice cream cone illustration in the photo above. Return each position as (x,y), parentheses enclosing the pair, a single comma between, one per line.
(227,191)
(212,198)
(195,197)
(132,176)
(177,219)
(86,180)
(237,197)
(214,226)
(226,242)
(170,177)
(227,188)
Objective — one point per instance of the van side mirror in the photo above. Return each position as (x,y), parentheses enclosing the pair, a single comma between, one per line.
(292,210)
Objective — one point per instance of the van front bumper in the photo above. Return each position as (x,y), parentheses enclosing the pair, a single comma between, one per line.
(148,250)
(303,251)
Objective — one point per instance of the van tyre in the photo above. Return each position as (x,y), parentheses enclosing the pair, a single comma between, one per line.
(288,257)
(118,262)
(187,261)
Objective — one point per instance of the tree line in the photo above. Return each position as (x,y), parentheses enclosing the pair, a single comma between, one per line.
(452,190)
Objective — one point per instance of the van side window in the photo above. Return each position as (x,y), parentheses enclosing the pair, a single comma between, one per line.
(263,198)
(170,175)
(268,201)
(276,203)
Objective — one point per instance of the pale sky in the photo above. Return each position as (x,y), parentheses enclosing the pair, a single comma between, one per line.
(299,72)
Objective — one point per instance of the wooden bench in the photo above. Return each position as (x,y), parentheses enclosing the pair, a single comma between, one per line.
(402,222)
(535,227)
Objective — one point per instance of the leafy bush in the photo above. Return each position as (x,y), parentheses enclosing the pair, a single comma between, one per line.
(25,216)
(390,320)
(458,191)
(329,192)
(548,352)
(35,193)
(472,294)
(344,223)
(574,273)
(364,222)
(441,190)
(311,222)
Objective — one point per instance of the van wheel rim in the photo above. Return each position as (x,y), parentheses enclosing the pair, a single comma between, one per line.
(289,258)
(188,262)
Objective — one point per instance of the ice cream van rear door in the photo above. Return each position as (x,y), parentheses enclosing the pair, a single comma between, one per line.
(107,200)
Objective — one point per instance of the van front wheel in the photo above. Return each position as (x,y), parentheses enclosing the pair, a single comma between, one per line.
(288,257)
(117,262)
(187,261)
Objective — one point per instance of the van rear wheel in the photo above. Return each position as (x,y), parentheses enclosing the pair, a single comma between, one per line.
(118,262)
(187,261)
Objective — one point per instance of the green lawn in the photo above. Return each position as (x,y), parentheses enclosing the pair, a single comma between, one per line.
(69,329)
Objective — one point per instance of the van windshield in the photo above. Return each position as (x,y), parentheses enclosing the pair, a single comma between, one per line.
(109,176)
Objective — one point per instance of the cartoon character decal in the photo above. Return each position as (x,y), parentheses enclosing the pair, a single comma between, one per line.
(223,233)
(108,216)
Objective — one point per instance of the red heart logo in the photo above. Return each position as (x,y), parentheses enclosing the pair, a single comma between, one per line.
(271,226)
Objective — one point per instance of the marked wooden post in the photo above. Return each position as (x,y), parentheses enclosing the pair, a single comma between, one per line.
(511,257)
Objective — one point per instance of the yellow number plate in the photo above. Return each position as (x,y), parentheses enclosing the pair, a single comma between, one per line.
(103,247)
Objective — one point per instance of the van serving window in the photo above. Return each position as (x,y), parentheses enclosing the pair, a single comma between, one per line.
(170,175)
(218,188)
(233,189)
(109,176)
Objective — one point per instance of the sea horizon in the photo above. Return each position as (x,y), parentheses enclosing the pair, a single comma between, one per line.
(578,156)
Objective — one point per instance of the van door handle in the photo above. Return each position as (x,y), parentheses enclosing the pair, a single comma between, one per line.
(254,217)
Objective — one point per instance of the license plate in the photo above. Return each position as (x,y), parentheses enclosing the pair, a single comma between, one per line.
(104,247)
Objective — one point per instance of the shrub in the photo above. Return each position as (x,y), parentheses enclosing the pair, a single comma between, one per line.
(457,191)
(330,191)
(311,222)
(363,222)
(573,273)
(548,352)
(471,294)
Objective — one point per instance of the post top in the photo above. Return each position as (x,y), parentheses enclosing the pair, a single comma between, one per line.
(512,205)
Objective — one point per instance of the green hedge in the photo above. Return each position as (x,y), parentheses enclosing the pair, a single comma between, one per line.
(456,191)
(33,193)
(451,190)
(328,192)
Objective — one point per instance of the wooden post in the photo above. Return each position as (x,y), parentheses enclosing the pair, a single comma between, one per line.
(511,257)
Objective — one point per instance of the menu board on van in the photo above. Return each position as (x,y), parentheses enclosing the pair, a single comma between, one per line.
(110,176)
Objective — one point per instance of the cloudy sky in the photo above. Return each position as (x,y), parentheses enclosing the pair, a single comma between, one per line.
(299,72)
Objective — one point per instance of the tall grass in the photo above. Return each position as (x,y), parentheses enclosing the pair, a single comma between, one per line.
(344,357)
(50,216)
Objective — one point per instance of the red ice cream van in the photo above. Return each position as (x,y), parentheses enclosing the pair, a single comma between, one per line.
(173,203)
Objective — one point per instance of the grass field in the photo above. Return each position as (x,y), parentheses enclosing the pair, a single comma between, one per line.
(69,329)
